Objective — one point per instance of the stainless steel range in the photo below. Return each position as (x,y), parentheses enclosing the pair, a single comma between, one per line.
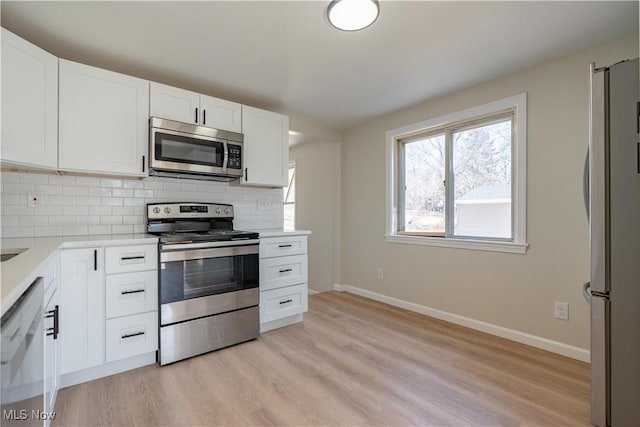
(208,279)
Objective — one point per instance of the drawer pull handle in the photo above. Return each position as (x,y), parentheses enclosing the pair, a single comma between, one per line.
(284,246)
(286,270)
(55,314)
(135,334)
(286,301)
(137,291)
(129,258)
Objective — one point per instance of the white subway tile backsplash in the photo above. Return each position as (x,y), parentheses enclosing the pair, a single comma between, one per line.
(75,230)
(75,191)
(52,190)
(122,229)
(34,220)
(62,200)
(79,205)
(61,220)
(133,184)
(100,210)
(112,201)
(10,177)
(99,229)
(87,181)
(47,231)
(17,210)
(33,178)
(10,220)
(122,192)
(110,220)
(10,232)
(8,188)
(75,210)
(62,179)
(87,220)
(110,183)
(99,191)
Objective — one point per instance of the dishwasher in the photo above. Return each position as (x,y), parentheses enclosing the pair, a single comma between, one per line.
(22,359)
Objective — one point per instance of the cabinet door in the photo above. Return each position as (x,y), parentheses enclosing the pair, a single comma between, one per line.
(51,355)
(82,312)
(266,147)
(168,102)
(220,114)
(104,121)
(29,104)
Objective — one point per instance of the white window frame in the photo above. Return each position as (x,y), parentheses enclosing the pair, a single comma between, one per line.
(518,104)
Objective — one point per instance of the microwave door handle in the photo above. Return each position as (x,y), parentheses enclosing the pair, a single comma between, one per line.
(225,160)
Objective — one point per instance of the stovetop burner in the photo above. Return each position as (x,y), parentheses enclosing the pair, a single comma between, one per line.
(193,222)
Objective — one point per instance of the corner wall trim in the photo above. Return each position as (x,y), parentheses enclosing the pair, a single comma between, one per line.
(500,331)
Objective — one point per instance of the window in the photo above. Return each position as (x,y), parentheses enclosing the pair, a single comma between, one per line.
(458,180)
(289,194)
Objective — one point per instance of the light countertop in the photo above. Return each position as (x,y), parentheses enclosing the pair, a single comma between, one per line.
(20,271)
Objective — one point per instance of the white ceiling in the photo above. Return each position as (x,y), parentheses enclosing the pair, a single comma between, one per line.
(284,56)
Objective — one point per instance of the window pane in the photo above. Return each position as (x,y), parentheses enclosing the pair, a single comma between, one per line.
(289,195)
(424,205)
(482,181)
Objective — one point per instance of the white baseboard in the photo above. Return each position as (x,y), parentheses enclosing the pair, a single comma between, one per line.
(500,331)
(311,292)
(107,369)
(279,323)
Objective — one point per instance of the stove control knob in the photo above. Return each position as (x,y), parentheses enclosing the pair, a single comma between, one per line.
(227,210)
(156,210)
(167,210)
(218,210)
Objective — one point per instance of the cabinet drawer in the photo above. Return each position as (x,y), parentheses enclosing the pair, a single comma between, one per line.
(283,271)
(131,293)
(283,302)
(131,335)
(124,259)
(282,246)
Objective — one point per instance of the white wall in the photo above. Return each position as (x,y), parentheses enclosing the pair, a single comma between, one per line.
(509,290)
(318,208)
(79,205)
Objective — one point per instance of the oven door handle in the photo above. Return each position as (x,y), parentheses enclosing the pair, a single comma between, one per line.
(207,245)
(192,254)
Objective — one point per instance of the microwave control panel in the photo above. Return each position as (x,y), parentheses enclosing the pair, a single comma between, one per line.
(234,160)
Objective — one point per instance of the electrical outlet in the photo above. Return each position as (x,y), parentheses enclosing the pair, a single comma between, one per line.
(561,310)
(380,273)
(33,199)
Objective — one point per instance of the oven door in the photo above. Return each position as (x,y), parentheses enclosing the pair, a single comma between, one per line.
(197,282)
(183,152)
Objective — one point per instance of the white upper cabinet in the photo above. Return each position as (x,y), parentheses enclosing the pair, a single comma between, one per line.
(266,147)
(173,103)
(104,121)
(29,104)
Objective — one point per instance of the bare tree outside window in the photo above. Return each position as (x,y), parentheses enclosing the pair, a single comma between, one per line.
(456,181)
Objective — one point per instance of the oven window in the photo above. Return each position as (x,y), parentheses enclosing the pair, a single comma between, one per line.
(182,280)
(182,149)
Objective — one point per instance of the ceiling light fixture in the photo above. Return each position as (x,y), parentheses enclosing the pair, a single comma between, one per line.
(352,15)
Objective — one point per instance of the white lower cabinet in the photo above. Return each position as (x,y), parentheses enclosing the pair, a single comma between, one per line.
(82,308)
(283,280)
(107,317)
(132,335)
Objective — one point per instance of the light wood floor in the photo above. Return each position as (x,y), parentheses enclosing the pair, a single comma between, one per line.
(352,362)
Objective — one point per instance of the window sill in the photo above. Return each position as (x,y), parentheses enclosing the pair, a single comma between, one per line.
(477,245)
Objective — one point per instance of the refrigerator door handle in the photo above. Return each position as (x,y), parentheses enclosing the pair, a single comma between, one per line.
(585,183)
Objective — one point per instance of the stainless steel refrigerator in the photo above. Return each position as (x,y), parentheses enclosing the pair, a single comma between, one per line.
(614,221)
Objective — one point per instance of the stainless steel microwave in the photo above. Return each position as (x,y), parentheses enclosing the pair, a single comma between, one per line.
(184,150)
